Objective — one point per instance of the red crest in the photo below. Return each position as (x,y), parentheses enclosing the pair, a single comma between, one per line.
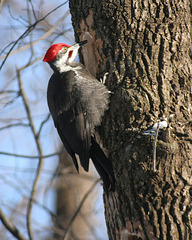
(53,51)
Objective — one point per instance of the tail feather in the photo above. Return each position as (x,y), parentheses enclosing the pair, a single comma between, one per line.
(102,165)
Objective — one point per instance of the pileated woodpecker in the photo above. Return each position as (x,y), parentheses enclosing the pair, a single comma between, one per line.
(77,101)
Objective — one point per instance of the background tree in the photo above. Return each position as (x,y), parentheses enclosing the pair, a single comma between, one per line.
(145,46)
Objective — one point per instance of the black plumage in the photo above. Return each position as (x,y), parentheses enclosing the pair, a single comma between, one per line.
(77,104)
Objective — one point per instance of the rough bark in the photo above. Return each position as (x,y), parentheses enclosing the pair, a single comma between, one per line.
(145,46)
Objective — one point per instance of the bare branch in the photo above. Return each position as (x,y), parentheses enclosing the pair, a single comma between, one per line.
(46,35)
(33,10)
(14,125)
(11,227)
(42,124)
(28,30)
(40,165)
(29,156)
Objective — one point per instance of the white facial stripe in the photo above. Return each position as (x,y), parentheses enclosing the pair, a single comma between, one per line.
(74,53)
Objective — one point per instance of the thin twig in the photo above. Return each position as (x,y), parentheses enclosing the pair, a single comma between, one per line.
(28,30)
(42,124)
(14,125)
(44,36)
(31,35)
(40,164)
(29,156)
(30,63)
(11,227)
(33,10)
(155,147)
(8,91)
(79,208)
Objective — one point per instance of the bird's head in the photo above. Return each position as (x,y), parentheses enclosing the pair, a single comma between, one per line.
(60,54)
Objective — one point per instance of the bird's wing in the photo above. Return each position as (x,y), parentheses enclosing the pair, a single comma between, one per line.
(70,117)
(75,131)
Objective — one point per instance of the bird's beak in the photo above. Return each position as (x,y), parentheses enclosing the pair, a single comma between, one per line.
(73,50)
(82,43)
(77,45)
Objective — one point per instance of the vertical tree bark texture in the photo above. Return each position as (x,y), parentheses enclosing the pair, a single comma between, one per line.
(145,45)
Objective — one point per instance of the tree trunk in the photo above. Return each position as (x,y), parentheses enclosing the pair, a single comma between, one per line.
(71,189)
(145,46)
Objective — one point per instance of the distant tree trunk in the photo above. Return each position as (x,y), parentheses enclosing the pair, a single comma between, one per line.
(146,48)
(71,189)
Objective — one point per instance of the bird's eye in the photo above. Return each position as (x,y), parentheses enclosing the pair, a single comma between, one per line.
(64,49)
